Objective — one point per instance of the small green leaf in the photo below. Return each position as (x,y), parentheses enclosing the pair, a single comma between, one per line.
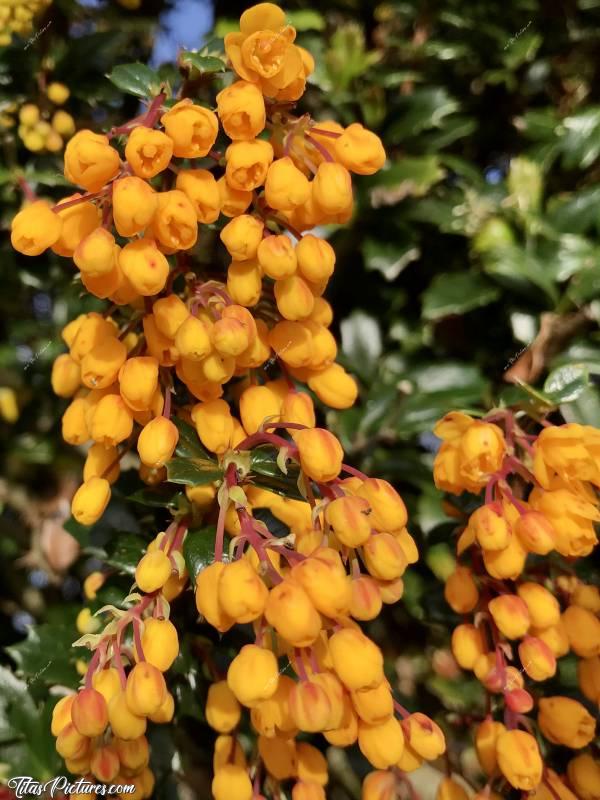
(193,472)
(567,383)
(136,79)
(199,550)
(78,531)
(125,552)
(156,497)
(306,19)
(189,445)
(46,655)
(193,59)
(457,294)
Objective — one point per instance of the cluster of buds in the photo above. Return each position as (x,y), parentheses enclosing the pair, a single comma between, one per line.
(46,128)
(523,612)
(122,231)
(174,349)
(100,730)
(16,17)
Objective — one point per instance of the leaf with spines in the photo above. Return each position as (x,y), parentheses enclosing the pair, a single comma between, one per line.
(193,471)
(137,79)
(199,550)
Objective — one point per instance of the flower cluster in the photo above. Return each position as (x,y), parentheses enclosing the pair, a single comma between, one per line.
(16,17)
(227,355)
(46,128)
(523,612)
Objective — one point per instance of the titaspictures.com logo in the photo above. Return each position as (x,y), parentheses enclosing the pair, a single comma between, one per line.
(25,786)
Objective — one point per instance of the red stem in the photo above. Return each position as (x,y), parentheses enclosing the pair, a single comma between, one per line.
(27,190)
(321,149)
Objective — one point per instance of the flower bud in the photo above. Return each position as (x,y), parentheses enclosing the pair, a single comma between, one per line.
(307,790)
(148,152)
(174,223)
(100,367)
(107,682)
(583,630)
(241,109)
(242,236)
(101,460)
(316,258)
(57,93)
(486,738)
(134,754)
(253,675)
(292,342)
(359,150)
(383,744)
(383,556)
(242,594)
(160,643)
(124,723)
(214,425)
(157,442)
(543,607)
(90,161)
(511,615)
(78,221)
(332,187)
(89,713)
(374,706)
(286,187)
(320,454)
(323,577)
(153,571)
(346,733)
(105,764)
(144,266)
(357,660)
(536,532)
(35,228)
(192,128)
(258,404)
(588,676)
(222,710)
(506,564)
(90,501)
(298,408)
(294,298)
(165,711)
(490,528)
(138,382)
(92,331)
(365,599)
(72,744)
(279,756)
(112,421)
(291,612)
(519,759)
(61,714)
(233,201)
(207,597)
(277,257)
(146,689)
(200,187)
(334,386)
(244,282)
(63,124)
(467,645)
(66,376)
(379,785)
(460,591)
(74,425)
(424,736)
(310,706)
(388,512)
(95,255)
(584,776)
(565,721)
(587,596)
(247,164)
(133,204)
(232,783)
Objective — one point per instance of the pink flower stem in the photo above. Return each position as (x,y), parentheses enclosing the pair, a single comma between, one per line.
(404,712)
(154,109)
(299,664)
(321,132)
(137,638)
(83,199)
(95,660)
(167,406)
(354,472)
(27,190)
(319,147)
(265,438)
(118,659)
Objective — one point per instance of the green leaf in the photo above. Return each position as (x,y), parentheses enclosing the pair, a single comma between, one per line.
(306,19)
(78,531)
(199,550)
(520,269)
(585,409)
(411,175)
(425,108)
(389,258)
(156,497)
(201,63)
(267,475)
(125,552)
(137,79)
(567,383)
(189,445)
(193,472)
(362,342)
(457,294)
(46,655)
(580,142)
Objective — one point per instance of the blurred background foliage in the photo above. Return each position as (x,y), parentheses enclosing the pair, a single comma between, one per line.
(468,277)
